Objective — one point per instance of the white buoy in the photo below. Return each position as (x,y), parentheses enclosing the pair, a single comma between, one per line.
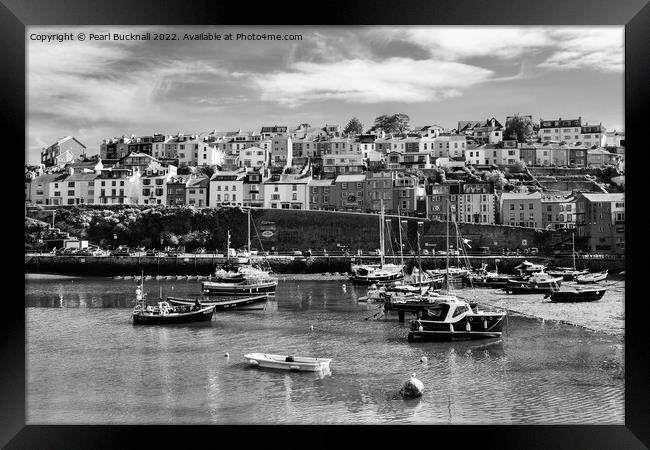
(227,355)
(311,327)
(424,360)
(413,387)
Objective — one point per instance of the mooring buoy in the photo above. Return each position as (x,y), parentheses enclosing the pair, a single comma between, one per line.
(413,387)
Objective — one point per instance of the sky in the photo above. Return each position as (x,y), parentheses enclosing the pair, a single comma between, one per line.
(94,89)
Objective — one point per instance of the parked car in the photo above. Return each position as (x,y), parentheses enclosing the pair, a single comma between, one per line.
(425,252)
(296,252)
(199,251)
(306,252)
(534,251)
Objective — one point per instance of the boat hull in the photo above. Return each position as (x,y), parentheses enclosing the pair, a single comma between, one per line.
(577,296)
(201,315)
(228,289)
(592,278)
(466,328)
(221,305)
(362,279)
(300,364)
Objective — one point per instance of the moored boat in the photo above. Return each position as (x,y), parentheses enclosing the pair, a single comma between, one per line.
(377,273)
(454,319)
(592,277)
(540,282)
(288,362)
(221,304)
(243,288)
(527,268)
(577,295)
(567,273)
(164,313)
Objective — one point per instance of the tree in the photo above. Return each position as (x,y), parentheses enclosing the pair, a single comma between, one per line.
(518,167)
(184,169)
(397,123)
(208,171)
(354,126)
(520,128)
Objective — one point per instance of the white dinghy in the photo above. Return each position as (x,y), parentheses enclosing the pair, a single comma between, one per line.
(299,363)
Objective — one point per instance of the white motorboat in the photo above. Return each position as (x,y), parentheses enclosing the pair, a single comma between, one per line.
(287,362)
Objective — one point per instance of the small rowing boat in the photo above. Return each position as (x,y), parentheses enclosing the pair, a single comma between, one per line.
(592,277)
(298,363)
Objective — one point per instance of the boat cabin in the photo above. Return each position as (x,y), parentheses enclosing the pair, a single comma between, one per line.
(446,312)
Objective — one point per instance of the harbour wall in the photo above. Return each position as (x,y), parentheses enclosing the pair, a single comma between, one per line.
(283,230)
(202,265)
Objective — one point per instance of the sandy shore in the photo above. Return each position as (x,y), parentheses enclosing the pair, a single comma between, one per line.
(606,315)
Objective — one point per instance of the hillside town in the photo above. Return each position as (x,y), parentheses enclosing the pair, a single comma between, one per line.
(550,174)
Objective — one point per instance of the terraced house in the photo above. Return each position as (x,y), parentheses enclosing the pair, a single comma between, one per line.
(558,210)
(600,221)
(521,209)
(227,188)
(287,191)
(197,191)
(62,151)
(153,185)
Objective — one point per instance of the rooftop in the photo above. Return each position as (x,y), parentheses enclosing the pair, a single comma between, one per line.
(604,197)
(350,178)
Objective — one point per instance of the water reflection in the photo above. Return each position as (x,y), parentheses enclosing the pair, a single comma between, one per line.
(90,364)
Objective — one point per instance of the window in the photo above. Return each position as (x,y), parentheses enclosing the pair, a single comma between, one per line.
(530,206)
(521,206)
(71,184)
(512,206)
(159,192)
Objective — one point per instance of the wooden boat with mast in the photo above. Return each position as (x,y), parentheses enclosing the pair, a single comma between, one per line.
(568,273)
(244,279)
(373,273)
(164,313)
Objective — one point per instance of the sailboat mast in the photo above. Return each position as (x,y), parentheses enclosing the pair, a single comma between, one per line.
(401,246)
(420,257)
(447,252)
(573,253)
(249,233)
(227,246)
(381,236)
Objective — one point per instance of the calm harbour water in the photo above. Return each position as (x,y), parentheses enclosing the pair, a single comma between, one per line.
(88,364)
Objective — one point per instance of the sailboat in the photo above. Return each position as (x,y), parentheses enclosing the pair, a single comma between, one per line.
(242,279)
(164,313)
(569,273)
(450,318)
(373,273)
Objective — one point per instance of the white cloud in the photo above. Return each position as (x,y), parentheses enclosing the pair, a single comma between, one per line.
(466,42)
(365,81)
(560,48)
(599,49)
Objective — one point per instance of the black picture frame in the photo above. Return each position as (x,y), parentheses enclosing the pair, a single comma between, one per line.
(15,15)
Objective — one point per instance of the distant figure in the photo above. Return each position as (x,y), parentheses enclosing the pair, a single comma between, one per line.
(197,304)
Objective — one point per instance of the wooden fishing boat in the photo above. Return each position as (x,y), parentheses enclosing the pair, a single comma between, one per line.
(221,305)
(454,319)
(537,283)
(567,273)
(577,295)
(287,362)
(528,267)
(164,313)
(243,288)
(592,277)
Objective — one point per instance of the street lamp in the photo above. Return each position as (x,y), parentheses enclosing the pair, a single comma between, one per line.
(115,240)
